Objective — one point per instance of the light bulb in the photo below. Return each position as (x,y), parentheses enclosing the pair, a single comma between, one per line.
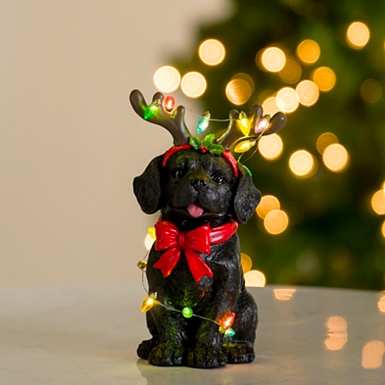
(169,103)
(245,126)
(148,303)
(203,122)
(151,110)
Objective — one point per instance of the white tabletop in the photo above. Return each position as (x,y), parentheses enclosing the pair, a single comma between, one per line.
(89,335)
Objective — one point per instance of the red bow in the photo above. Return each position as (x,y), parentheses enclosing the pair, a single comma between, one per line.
(168,237)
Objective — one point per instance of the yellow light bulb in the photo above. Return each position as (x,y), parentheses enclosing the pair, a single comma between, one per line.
(244,146)
(245,125)
(148,303)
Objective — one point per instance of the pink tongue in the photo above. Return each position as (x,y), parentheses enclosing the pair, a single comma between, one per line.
(194,210)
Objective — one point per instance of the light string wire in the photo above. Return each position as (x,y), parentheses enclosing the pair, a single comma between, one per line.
(169,307)
(209,119)
(256,139)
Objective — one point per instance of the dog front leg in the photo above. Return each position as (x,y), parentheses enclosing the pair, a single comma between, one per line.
(172,338)
(207,352)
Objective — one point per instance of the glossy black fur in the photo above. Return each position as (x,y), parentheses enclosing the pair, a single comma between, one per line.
(208,181)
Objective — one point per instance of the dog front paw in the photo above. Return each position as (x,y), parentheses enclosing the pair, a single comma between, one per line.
(166,354)
(145,348)
(206,357)
(238,353)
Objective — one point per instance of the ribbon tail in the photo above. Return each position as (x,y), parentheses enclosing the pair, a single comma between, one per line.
(167,261)
(197,266)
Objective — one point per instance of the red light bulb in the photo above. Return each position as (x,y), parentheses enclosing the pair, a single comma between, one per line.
(169,103)
(228,320)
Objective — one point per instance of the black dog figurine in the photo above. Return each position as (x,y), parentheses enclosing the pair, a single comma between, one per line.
(202,193)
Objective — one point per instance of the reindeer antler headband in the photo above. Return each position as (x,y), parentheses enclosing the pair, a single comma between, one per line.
(240,127)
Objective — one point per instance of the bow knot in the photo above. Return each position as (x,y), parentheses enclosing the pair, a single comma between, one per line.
(173,242)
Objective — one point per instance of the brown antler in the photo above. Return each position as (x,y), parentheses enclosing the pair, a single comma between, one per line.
(173,123)
(259,126)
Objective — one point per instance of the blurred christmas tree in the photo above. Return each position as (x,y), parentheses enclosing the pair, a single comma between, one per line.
(323,63)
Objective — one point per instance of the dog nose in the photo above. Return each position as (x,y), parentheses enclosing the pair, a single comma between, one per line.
(198,183)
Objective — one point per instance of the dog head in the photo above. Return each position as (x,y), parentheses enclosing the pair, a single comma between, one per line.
(195,188)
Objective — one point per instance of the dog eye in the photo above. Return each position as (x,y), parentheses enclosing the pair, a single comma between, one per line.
(177,173)
(219,178)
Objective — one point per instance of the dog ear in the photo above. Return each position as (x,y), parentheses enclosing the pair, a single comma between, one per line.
(246,197)
(147,188)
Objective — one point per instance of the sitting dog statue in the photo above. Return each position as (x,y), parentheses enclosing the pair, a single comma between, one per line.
(202,194)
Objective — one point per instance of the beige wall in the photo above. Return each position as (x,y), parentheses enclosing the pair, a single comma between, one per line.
(70,144)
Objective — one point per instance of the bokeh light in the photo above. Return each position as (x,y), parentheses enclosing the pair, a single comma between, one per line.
(372,354)
(371,91)
(270,146)
(308,93)
(378,202)
(148,242)
(336,157)
(255,278)
(270,106)
(167,79)
(381,301)
(212,52)
(308,51)
(193,84)
(325,78)
(357,35)
(239,89)
(287,99)
(151,232)
(291,72)
(325,140)
(337,333)
(284,294)
(246,263)
(273,59)
(276,222)
(383,232)
(302,163)
(267,203)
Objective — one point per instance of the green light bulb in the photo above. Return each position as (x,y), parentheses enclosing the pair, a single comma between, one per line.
(187,312)
(229,333)
(151,110)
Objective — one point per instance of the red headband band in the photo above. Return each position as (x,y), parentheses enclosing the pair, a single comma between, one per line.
(226,154)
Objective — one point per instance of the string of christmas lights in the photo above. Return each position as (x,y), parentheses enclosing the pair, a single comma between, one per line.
(225,324)
(243,144)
